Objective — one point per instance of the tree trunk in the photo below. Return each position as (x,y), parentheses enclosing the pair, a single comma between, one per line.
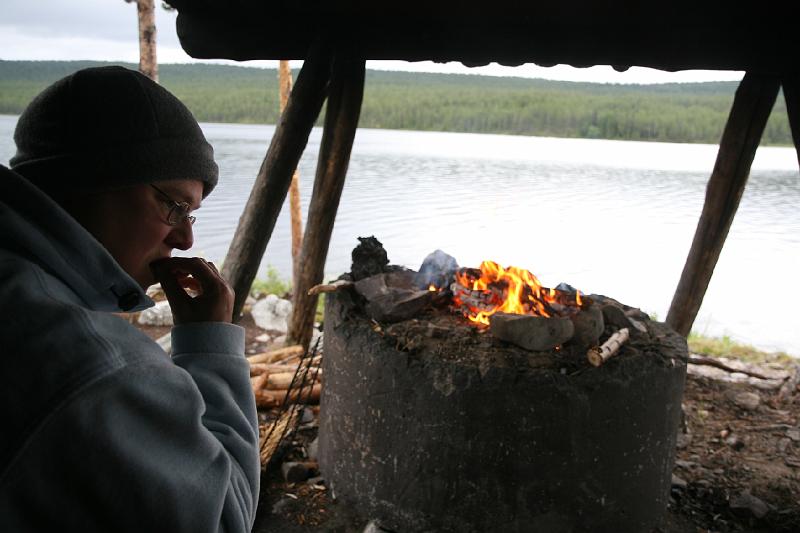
(274,176)
(748,117)
(285,82)
(341,121)
(148,64)
(791,92)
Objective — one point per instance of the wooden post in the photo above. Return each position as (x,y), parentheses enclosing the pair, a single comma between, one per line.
(285,82)
(274,176)
(148,64)
(791,92)
(341,121)
(737,148)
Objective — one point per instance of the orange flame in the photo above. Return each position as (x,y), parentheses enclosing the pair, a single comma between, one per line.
(522,293)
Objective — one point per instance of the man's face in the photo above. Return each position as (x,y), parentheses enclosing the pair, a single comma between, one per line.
(132,223)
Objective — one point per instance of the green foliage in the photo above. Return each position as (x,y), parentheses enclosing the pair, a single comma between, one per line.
(320,312)
(674,112)
(273,284)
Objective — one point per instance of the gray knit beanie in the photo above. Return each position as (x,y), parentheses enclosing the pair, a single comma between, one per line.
(107,128)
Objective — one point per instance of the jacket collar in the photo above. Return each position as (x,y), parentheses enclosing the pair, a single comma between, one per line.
(35,226)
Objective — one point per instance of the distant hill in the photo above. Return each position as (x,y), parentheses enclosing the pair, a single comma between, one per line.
(674,112)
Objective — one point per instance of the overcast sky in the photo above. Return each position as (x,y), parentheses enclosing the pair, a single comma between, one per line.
(107,30)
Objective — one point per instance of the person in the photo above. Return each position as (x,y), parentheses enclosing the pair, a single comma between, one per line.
(102,430)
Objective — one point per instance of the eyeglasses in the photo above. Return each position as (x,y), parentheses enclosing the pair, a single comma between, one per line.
(178,211)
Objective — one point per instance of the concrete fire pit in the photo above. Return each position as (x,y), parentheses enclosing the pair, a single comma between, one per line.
(425,440)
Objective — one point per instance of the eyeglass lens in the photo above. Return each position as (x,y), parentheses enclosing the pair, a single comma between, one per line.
(178,213)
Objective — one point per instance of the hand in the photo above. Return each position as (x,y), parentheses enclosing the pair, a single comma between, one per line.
(214,297)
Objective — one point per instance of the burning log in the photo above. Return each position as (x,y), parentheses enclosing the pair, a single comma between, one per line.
(277,355)
(533,333)
(479,293)
(600,354)
(337,285)
(466,301)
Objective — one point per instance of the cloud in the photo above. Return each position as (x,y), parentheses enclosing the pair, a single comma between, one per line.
(46,24)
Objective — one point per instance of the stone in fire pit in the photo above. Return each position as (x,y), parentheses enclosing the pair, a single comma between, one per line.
(431,424)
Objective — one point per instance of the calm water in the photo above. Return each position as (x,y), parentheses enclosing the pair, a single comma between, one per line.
(609,217)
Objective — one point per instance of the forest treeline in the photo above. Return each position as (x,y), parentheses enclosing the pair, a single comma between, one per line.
(675,112)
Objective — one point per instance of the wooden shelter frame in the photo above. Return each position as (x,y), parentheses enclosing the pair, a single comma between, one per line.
(334,68)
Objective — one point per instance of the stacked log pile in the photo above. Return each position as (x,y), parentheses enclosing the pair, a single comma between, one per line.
(283,375)
(287,385)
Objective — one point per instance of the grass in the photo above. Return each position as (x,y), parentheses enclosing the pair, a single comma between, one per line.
(273,284)
(726,347)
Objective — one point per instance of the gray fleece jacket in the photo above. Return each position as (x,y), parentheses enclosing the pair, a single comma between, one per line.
(101,430)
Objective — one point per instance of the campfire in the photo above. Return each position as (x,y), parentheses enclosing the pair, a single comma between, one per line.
(508,303)
(480,293)
(460,398)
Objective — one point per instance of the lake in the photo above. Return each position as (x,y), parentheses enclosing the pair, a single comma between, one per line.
(608,217)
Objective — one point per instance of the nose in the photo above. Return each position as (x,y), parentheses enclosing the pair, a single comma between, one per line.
(181,236)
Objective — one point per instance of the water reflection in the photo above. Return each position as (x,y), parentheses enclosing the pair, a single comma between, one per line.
(609,217)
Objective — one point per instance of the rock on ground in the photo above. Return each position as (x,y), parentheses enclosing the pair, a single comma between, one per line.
(272,313)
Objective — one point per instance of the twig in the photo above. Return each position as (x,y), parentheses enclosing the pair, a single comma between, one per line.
(330,287)
(768,427)
(708,361)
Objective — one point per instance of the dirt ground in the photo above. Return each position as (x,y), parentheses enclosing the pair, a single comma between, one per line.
(737,463)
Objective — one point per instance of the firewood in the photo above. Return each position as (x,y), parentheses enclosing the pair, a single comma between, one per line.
(291,362)
(282,380)
(274,398)
(257,369)
(600,354)
(273,356)
(294,361)
(259,381)
(265,401)
(330,287)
